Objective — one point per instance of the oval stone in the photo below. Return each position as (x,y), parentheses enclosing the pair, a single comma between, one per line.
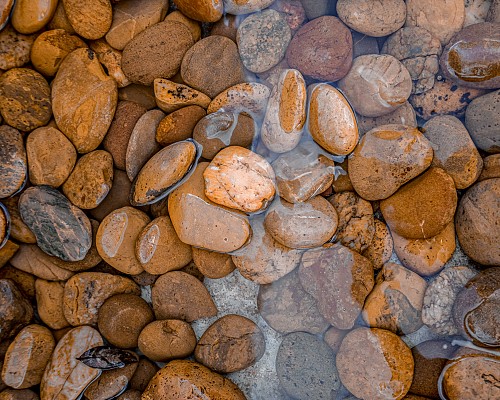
(30,16)
(91,19)
(201,10)
(84,99)
(13,165)
(248,97)
(61,229)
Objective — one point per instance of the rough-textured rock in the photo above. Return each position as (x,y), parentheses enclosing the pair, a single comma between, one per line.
(111,59)
(380,249)
(13,163)
(90,19)
(491,169)
(15,310)
(14,48)
(50,301)
(193,26)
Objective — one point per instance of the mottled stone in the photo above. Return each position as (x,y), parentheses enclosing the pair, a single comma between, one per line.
(15,310)
(91,19)
(13,163)
(14,48)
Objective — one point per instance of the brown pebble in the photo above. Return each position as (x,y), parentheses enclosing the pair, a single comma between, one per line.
(211,264)
(179,125)
(171,96)
(49,300)
(15,48)
(23,280)
(249,98)
(18,229)
(90,19)
(482,121)
(117,197)
(403,115)
(140,94)
(201,10)
(111,59)
(333,338)
(13,163)
(15,309)
(491,168)
(192,25)
(145,371)
(379,251)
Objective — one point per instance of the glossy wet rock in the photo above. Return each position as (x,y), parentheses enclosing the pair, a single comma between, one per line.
(167,339)
(61,229)
(301,225)
(339,279)
(15,310)
(27,356)
(423,207)
(395,302)
(440,296)
(386,158)
(306,367)
(475,310)
(232,343)
(65,376)
(49,299)
(265,260)
(31,16)
(15,48)
(327,36)
(248,97)
(91,19)
(201,223)
(287,307)
(286,113)
(380,249)
(178,295)
(144,57)
(179,125)
(179,378)
(143,95)
(117,236)
(482,121)
(376,84)
(83,99)
(471,56)
(238,7)
(171,96)
(25,102)
(476,222)
(375,364)
(13,164)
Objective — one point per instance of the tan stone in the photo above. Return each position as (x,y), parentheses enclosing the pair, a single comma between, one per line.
(91,19)
(403,115)
(18,229)
(171,96)
(192,25)
(179,125)
(248,97)
(491,168)
(50,300)
(60,20)
(380,249)
(31,16)
(112,60)
(211,264)
(201,10)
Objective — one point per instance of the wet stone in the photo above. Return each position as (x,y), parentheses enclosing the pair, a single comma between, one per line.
(403,115)
(380,249)
(15,310)
(171,96)
(61,229)
(5,10)
(179,125)
(13,163)
(31,16)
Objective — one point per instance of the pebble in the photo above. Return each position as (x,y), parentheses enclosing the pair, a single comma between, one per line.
(61,229)
(60,20)
(230,344)
(21,394)
(491,169)
(264,260)
(116,140)
(442,18)
(179,125)
(156,52)
(227,26)
(221,129)
(321,49)
(306,367)
(475,310)
(373,18)
(182,377)
(117,197)
(121,319)
(287,307)
(380,249)
(131,17)
(396,300)
(171,96)
(90,19)
(178,295)
(428,256)
(403,115)
(140,94)
(167,339)
(376,84)
(293,11)
(226,68)
(65,376)
(423,207)
(201,10)
(418,50)
(333,338)
(241,7)
(262,40)
(51,157)
(356,226)
(13,164)
(201,223)
(375,364)
(18,229)
(476,11)
(130,395)
(27,356)
(162,171)
(317,8)
(339,279)
(84,100)
(494,12)
(111,59)
(14,48)
(25,102)
(332,123)
(482,121)
(49,300)
(9,248)
(144,372)
(471,56)
(24,281)
(440,296)
(192,25)
(15,310)
(159,249)
(31,16)
(476,222)
(211,264)
(5,12)
(117,236)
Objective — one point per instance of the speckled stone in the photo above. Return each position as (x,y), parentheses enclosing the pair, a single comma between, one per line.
(13,162)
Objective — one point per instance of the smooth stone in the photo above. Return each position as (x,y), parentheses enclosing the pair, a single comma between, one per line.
(426,257)
(18,229)
(24,281)
(31,16)
(482,121)
(51,157)
(9,248)
(333,337)
(50,303)
(339,279)
(396,300)
(423,207)
(178,295)
(140,94)
(84,100)
(287,307)
(13,164)
(476,11)
(117,197)
(61,229)
(201,10)
(241,7)
(131,17)
(15,310)
(248,97)
(403,115)
(202,223)
(171,96)
(179,125)
(380,249)
(90,19)
(60,20)
(5,11)
(78,308)
(25,102)
(14,48)
(211,264)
